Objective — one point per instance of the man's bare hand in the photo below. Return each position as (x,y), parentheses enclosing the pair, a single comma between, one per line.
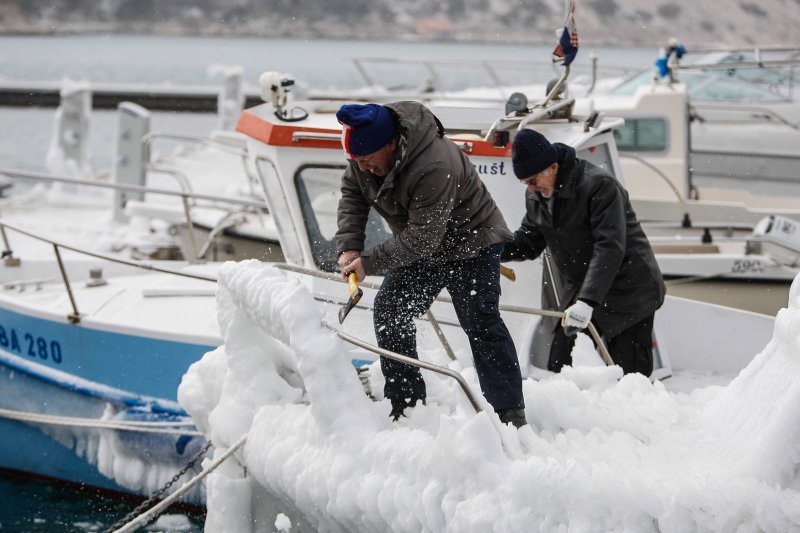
(345,260)
(355,266)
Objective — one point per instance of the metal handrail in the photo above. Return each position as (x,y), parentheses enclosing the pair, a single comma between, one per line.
(185,194)
(298,136)
(598,340)
(185,186)
(537,113)
(754,49)
(555,89)
(36,176)
(439,333)
(733,65)
(180,177)
(503,307)
(545,112)
(766,112)
(660,173)
(230,220)
(489,67)
(148,138)
(415,362)
(114,259)
(74,317)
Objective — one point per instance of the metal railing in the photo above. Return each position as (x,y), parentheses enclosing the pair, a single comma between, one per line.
(473,400)
(660,173)
(747,114)
(74,316)
(436,84)
(503,307)
(184,196)
(763,59)
(149,138)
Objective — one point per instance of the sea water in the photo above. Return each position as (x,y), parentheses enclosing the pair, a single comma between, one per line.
(38,505)
(25,135)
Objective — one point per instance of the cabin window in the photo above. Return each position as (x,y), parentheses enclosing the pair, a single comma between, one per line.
(642,135)
(319,193)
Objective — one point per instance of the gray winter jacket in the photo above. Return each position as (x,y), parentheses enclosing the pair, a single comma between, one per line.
(596,243)
(433,200)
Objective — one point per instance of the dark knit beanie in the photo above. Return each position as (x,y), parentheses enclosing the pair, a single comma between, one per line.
(367,128)
(531,153)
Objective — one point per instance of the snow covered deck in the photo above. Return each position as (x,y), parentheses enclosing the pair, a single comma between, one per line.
(600,453)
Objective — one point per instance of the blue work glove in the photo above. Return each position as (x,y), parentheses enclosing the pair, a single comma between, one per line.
(576,318)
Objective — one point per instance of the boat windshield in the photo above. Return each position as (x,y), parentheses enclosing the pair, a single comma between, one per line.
(774,76)
(715,86)
(318,191)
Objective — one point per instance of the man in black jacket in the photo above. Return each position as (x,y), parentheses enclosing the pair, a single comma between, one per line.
(608,270)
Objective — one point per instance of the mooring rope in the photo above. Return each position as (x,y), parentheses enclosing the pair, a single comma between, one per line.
(147,516)
(121,425)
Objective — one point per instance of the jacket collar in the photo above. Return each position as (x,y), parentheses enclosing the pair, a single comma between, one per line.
(418,128)
(568,169)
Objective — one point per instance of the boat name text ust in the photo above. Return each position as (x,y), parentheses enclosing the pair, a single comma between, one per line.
(491,169)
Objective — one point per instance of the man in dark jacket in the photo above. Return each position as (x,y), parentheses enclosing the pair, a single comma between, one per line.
(447,232)
(607,268)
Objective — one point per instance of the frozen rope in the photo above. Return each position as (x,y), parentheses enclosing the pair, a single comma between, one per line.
(147,516)
(121,425)
(160,492)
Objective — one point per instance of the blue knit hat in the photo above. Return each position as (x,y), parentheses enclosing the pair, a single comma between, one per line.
(367,128)
(531,153)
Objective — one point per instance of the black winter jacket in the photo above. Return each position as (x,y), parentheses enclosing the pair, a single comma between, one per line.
(433,200)
(596,243)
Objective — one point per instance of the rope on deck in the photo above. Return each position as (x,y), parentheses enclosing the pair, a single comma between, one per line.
(122,425)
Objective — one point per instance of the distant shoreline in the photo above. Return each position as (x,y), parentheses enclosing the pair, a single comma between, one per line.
(608,23)
(100,32)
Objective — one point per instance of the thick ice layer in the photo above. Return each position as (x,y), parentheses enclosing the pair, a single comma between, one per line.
(601,454)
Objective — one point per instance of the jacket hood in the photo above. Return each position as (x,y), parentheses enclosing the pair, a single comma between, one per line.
(418,128)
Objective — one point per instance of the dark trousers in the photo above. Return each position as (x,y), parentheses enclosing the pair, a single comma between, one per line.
(474,285)
(631,349)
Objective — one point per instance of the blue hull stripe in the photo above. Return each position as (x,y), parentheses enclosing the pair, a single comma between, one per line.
(140,365)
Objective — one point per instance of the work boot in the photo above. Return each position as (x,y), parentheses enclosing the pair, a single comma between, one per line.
(513,416)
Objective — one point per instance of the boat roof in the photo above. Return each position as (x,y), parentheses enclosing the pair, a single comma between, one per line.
(463,121)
